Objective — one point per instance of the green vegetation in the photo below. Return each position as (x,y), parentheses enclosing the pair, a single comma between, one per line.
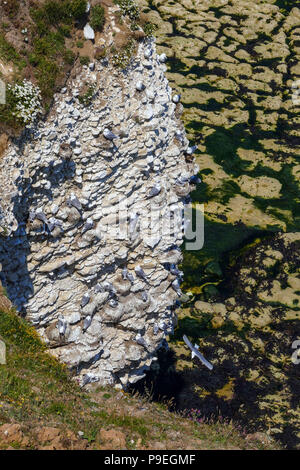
(129,8)
(122,58)
(149,28)
(7,51)
(88,96)
(47,53)
(84,60)
(36,390)
(97,18)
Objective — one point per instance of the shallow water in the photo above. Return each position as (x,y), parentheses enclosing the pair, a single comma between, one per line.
(234,63)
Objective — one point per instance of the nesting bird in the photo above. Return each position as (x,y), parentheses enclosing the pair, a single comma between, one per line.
(109,287)
(147,53)
(86,323)
(113,303)
(85,300)
(127,275)
(53,222)
(89,224)
(98,288)
(195,179)
(154,191)
(109,135)
(191,150)
(155,329)
(39,214)
(140,340)
(140,273)
(176,287)
(133,222)
(61,325)
(139,86)
(74,201)
(176,98)
(162,58)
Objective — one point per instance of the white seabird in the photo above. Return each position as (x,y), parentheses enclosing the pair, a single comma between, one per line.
(154,191)
(61,325)
(176,99)
(191,150)
(85,300)
(147,53)
(140,272)
(139,86)
(109,135)
(176,287)
(74,201)
(127,275)
(195,352)
(86,323)
(162,58)
(89,224)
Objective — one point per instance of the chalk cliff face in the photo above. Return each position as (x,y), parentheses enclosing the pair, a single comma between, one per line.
(91,219)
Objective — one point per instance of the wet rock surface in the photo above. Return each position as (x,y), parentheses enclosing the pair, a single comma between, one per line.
(85,241)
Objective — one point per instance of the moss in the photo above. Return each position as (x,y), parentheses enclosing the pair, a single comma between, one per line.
(84,60)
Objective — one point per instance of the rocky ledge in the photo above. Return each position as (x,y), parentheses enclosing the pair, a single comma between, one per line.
(91,218)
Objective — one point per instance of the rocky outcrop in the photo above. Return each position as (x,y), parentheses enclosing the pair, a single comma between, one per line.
(92,218)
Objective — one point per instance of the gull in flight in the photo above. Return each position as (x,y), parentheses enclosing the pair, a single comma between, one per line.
(195,352)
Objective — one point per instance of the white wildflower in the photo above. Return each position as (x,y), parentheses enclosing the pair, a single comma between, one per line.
(28,98)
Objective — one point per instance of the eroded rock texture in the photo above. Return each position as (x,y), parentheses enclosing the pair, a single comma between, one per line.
(97,281)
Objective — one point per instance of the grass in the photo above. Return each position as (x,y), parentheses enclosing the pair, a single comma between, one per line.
(97,18)
(47,55)
(36,390)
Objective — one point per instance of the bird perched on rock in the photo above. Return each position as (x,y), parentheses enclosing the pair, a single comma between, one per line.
(140,273)
(53,222)
(176,287)
(89,378)
(86,323)
(98,288)
(109,135)
(162,58)
(85,300)
(109,287)
(196,352)
(89,224)
(61,325)
(31,216)
(175,271)
(140,340)
(39,214)
(147,53)
(182,180)
(191,150)
(127,275)
(155,329)
(154,191)
(133,222)
(176,98)
(144,296)
(113,303)
(74,201)
(195,179)
(179,136)
(139,86)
